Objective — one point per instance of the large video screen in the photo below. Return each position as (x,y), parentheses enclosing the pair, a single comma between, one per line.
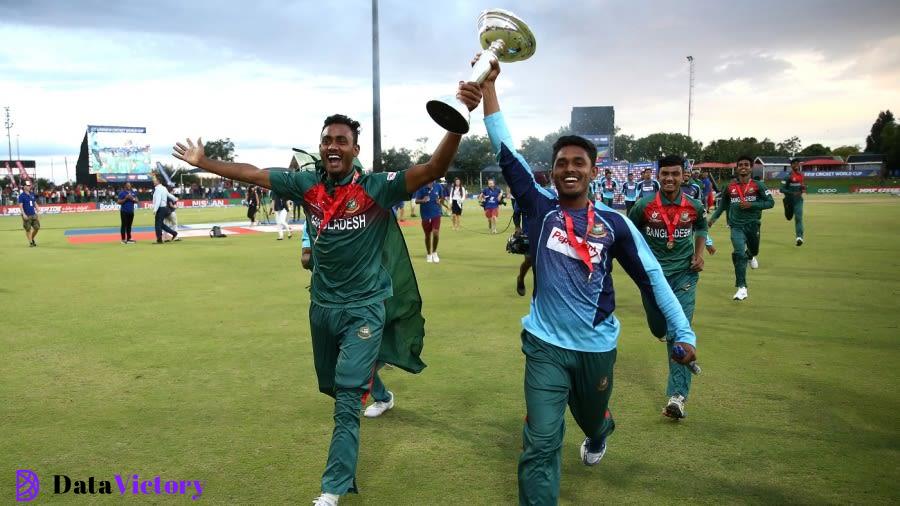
(116,152)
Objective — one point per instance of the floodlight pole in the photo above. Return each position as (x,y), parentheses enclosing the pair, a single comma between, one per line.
(690,60)
(8,124)
(376,93)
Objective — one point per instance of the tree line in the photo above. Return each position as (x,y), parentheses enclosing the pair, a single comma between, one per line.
(475,151)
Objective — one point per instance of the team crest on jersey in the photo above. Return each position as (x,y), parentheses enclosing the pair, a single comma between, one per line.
(364,332)
(654,215)
(352,205)
(685,217)
(598,230)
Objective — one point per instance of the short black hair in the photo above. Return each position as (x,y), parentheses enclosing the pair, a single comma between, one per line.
(577,141)
(670,161)
(795,160)
(340,119)
(744,157)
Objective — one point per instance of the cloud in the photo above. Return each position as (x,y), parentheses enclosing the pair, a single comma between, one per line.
(266,76)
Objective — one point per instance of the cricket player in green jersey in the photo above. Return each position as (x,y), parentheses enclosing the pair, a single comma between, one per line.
(361,270)
(674,226)
(793,189)
(744,200)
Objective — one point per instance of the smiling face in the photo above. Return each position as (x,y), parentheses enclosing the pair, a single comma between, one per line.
(744,168)
(670,178)
(338,148)
(572,172)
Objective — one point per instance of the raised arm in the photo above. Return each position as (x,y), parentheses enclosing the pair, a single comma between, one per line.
(196,156)
(436,167)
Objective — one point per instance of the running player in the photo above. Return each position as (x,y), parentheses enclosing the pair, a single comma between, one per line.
(570,334)
(744,200)
(352,289)
(793,189)
(674,225)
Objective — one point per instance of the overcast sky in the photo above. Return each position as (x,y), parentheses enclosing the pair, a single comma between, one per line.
(267,75)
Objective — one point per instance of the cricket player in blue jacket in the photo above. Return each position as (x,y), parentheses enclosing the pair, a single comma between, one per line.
(570,334)
(608,187)
(647,187)
(630,192)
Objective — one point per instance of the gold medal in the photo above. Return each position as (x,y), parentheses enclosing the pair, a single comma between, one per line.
(670,244)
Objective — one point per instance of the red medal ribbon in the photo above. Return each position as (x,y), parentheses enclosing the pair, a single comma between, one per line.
(581,248)
(668,220)
(742,190)
(341,194)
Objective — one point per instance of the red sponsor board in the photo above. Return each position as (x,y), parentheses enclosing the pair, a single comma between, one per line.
(876,189)
(51,209)
(191,203)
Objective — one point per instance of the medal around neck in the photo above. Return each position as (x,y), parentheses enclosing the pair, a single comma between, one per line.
(504,37)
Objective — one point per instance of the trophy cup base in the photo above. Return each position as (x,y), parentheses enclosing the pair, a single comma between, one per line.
(448,117)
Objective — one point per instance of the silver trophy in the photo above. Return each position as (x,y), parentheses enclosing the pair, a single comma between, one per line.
(504,37)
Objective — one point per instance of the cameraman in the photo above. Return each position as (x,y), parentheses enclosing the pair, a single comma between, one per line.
(520,222)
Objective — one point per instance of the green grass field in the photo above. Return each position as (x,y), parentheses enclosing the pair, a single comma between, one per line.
(192,360)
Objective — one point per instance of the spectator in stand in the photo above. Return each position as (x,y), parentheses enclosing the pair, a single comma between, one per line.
(126,199)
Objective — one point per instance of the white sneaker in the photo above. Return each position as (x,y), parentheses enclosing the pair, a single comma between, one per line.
(378,408)
(799,241)
(435,258)
(675,407)
(753,263)
(429,259)
(741,293)
(588,458)
(326,500)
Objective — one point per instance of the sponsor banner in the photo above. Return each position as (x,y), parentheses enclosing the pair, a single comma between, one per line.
(186,203)
(826,174)
(878,189)
(51,209)
(92,206)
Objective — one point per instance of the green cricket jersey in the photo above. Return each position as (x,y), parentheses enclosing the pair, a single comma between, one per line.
(793,186)
(754,192)
(348,250)
(689,217)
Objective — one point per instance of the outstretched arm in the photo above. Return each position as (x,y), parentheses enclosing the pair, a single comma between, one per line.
(196,156)
(436,167)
